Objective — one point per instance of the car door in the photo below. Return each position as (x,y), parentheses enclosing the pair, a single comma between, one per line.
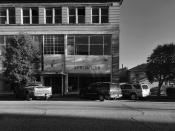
(127,89)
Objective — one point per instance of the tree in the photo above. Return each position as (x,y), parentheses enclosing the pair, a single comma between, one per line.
(21,53)
(161,65)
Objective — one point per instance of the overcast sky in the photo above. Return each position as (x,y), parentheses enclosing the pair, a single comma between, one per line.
(144,24)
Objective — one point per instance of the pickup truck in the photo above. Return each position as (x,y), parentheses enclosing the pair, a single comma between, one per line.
(34,91)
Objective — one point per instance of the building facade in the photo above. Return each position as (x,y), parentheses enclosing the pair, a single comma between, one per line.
(79,39)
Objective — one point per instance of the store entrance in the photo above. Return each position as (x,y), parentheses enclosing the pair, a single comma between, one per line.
(55,81)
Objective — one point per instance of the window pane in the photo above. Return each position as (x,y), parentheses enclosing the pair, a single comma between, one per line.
(49,20)
(82,49)
(96,49)
(104,11)
(2,20)
(107,50)
(58,19)
(81,40)
(48,12)
(81,15)
(26,20)
(2,11)
(81,11)
(72,11)
(70,45)
(35,20)
(12,20)
(26,12)
(34,12)
(95,11)
(95,19)
(35,16)
(1,40)
(58,15)
(72,19)
(104,19)
(96,39)
(12,12)
(58,11)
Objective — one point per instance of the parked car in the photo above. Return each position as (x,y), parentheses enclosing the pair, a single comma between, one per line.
(101,91)
(135,91)
(33,91)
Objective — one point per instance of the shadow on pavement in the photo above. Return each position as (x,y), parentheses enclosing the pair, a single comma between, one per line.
(160,99)
(18,122)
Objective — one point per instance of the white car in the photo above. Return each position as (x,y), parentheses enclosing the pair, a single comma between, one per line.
(135,91)
(33,91)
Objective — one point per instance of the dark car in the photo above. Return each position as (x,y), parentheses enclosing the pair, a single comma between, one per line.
(101,91)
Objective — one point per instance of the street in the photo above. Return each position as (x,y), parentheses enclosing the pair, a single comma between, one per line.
(87,115)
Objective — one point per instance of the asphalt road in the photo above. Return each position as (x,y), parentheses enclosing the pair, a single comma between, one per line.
(84,115)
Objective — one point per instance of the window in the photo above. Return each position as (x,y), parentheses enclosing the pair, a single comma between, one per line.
(30,16)
(7,15)
(53,44)
(2,40)
(76,15)
(89,44)
(96,44)
(100,15)
(53,15)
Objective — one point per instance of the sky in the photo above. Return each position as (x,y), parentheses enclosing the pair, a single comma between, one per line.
(144,25)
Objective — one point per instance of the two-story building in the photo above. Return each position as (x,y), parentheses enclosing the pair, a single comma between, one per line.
(79,39)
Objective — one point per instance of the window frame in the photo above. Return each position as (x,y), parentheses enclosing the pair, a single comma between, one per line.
(7,15)
(76,15)
(30,16)
(100,15)
(53,16)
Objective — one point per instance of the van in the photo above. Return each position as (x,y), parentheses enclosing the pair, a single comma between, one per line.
(135,91)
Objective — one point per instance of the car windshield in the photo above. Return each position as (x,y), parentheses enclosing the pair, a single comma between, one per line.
(144,86)
(137,86)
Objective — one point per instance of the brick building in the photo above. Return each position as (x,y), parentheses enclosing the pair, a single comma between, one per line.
(79,39)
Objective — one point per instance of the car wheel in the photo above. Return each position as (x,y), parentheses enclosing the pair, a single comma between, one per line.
(101,97)
(133,96)
(28,97)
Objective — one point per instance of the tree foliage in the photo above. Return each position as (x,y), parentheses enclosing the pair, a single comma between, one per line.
(21,53)
(161,64)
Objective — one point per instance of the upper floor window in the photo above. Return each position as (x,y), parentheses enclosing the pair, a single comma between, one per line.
(7,15)
(30,16)
(100,15)
(53,15)
(76,15)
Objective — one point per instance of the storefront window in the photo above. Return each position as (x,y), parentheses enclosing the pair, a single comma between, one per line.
(53,44)
(89,44)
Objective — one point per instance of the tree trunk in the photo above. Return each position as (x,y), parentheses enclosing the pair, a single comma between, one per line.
(159,87)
